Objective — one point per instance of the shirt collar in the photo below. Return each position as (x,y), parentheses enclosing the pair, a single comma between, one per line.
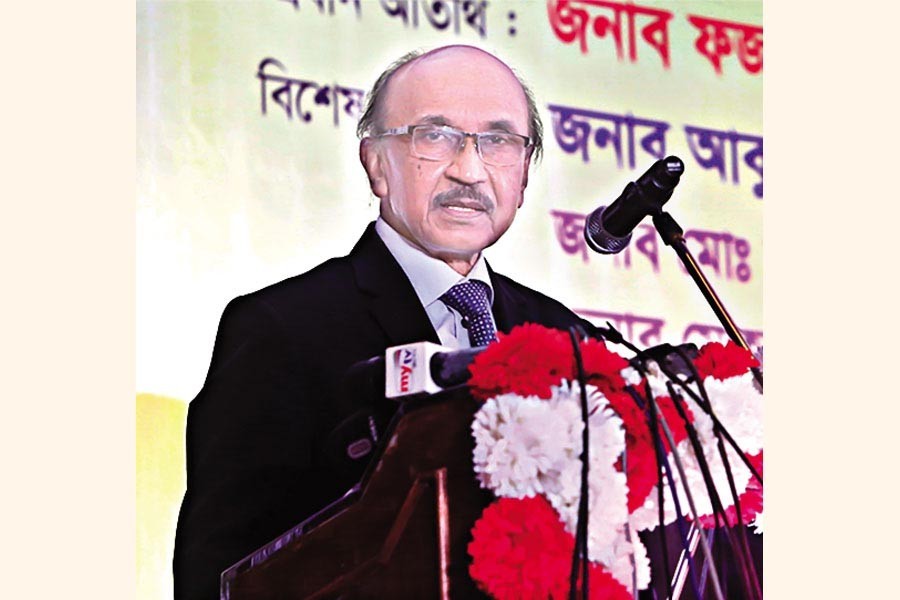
(430,277)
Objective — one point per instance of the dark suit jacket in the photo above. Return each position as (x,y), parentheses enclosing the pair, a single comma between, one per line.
(256,433)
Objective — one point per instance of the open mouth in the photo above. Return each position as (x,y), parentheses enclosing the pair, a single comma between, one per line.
(464,202)
(463,210)
(463,207)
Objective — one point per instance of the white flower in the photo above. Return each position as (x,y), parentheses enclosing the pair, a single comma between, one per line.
(522,444)
(646,516)
(620,565)
(739,407)
(757,523)
(702,502)
(631,376)
(607,505)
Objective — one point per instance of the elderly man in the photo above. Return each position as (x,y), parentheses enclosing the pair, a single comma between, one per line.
(449,138)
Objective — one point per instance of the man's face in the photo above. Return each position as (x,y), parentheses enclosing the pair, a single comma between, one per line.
(450,209)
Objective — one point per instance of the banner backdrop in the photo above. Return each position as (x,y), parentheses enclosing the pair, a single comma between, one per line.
(248,169)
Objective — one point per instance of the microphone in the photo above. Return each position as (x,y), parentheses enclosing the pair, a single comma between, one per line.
(371,388)
(424,367)
(608,229)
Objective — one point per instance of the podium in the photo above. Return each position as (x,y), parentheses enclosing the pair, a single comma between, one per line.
(402,532)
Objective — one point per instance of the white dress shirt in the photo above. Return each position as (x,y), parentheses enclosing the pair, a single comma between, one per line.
(431,278)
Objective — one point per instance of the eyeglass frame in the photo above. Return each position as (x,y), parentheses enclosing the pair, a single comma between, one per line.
(409,129)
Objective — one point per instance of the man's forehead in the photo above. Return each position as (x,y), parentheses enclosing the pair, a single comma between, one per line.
(454,83)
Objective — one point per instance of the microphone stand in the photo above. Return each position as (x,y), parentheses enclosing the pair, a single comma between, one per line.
(673,235)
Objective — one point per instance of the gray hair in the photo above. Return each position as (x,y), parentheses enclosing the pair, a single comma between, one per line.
(370,121)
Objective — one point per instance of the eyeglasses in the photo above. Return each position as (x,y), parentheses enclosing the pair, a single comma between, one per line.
(440,142)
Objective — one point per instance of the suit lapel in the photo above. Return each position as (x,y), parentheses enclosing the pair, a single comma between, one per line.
(508,309)
(394,304)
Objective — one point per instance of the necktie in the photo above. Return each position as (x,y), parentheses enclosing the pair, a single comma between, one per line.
(470,299)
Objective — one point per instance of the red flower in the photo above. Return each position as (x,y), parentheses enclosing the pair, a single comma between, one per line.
(532,358)
(641,474)
(751,499)
(722,362)
(604,586)
(520,550)
(641,471)
(527,361)
(673,420)
(602,367)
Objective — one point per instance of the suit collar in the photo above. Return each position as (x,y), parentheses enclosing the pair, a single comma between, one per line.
(394,305)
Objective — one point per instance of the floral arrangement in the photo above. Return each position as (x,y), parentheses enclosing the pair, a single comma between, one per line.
(528,447)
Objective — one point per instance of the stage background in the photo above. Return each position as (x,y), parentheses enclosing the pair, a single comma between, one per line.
(233,196)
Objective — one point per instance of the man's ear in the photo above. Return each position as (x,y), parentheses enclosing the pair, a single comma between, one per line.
(525,168)
(371,160)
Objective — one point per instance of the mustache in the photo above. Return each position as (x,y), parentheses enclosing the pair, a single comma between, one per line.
(477,199)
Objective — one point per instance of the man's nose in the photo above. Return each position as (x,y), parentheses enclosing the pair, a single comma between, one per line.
(467,167)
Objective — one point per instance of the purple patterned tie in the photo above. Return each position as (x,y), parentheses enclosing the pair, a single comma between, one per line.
(470,299)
